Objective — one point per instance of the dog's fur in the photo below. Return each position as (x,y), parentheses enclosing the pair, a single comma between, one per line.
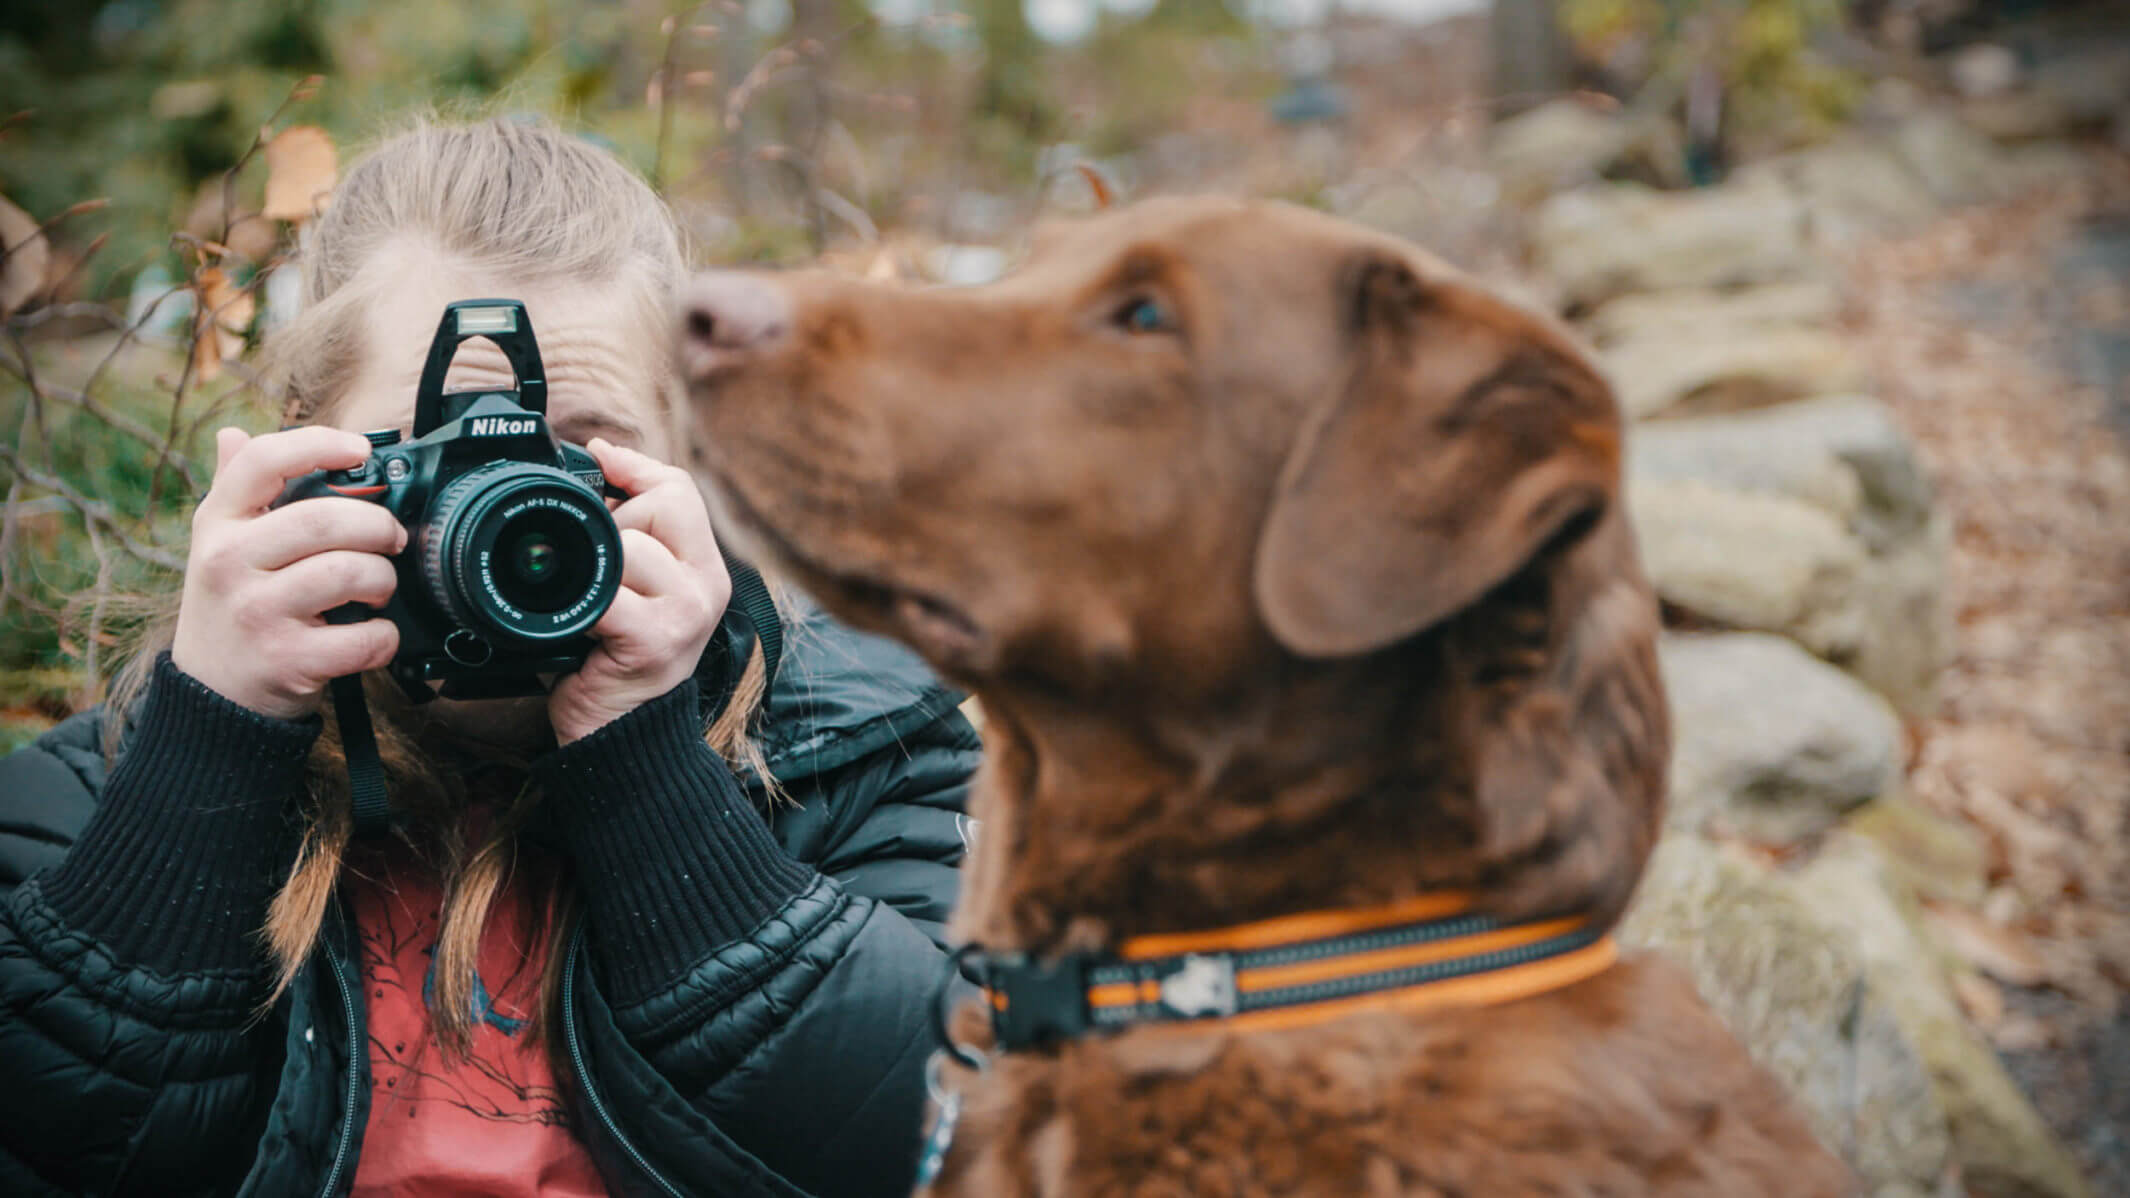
(1317,595)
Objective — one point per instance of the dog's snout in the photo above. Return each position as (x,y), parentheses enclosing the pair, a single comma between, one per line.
(728,314)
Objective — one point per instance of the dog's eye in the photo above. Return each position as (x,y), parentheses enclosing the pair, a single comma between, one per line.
(1144,314)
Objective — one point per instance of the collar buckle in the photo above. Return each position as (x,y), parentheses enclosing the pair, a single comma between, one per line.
(1202,986)
(1037,1002)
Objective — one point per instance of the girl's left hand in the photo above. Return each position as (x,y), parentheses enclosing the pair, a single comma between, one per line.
(673,593)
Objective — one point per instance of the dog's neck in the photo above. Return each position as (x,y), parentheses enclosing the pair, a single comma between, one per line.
(1094,830)
(1329,787)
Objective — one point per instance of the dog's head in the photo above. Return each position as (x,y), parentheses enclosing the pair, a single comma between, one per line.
(1197,464)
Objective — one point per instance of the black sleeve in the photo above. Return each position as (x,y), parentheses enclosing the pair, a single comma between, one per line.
(130,973)
(792,1012)
(911,830)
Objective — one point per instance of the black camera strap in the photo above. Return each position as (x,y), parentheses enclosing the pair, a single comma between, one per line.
(358,741)
(751,595)
(366,770)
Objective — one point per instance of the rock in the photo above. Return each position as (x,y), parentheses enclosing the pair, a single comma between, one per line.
(1858,572)
(1567,142)
(1934,857)
(2018,116)
(1984,69)
(1853,188)
(1842,453)
(1792,986)
(2002,1147)
(1687,371)
(1609,240)
(1749,312)
(1741,560)
(1557,144)
(1770,745)
(1957,164)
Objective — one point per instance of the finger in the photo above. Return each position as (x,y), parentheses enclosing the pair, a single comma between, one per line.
(292,533)
(258,470)
(629,469)
(337,649)
(650,569)
(227,441)
(674,514)
(324,581)
(630,612)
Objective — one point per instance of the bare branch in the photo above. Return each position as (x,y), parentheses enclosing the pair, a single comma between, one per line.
(44,230)
(109,416)
(305,88)
(672,31)
(92,510)
(50,312)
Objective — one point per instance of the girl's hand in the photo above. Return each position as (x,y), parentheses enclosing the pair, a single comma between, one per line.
(251,620)
(673,593)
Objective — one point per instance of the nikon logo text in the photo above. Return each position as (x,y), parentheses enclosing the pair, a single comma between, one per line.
(499,426)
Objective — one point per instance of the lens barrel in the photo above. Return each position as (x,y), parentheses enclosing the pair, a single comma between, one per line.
(521,552)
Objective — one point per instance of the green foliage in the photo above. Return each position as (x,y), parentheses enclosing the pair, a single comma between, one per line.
(1778,85)
(53,563)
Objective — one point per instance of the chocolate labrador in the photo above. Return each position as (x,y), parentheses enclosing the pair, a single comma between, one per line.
(1325,733)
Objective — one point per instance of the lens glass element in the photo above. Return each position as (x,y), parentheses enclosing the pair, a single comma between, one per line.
(545,559)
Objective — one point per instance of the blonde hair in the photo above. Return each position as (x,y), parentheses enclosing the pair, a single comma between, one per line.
(523,200)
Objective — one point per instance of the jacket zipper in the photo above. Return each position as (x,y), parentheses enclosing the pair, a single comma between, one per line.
(584,1075)
(356,1046)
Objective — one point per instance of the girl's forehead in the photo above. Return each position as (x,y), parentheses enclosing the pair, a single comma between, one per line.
(604,366)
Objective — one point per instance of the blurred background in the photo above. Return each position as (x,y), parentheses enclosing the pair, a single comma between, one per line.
(1860,270)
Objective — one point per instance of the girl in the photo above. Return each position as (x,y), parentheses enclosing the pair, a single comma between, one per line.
(602,949)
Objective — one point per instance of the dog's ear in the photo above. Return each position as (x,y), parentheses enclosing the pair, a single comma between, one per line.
(1463,441)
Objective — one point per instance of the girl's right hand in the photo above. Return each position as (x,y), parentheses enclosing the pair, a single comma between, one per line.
(258,581)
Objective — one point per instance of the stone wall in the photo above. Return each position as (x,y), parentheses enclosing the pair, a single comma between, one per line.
(1793,537)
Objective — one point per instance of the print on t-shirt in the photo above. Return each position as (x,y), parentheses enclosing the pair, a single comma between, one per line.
(496,1123)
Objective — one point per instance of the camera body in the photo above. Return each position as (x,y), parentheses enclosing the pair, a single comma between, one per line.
(511,555)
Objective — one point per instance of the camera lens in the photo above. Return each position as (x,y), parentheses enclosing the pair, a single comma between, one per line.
(516,550)
(545,556)
(534,558)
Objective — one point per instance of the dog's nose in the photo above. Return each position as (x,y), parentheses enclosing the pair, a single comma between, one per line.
(728,314)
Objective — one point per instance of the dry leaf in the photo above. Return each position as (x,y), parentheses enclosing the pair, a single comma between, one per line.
(301,168)
(2002,953)
(28,254)
(223,313)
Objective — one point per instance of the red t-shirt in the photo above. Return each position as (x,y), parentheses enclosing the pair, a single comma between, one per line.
(494,1125)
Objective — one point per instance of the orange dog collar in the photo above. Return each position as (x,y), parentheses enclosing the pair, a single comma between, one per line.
(1422,954)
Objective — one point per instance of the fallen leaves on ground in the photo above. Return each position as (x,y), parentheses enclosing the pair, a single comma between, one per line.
(1962,327)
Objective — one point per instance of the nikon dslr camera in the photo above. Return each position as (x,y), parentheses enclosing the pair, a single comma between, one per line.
(511,555)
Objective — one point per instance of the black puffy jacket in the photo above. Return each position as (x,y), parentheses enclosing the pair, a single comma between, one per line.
(746,1004)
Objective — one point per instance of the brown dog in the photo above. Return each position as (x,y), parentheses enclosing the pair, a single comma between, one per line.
(1290,568)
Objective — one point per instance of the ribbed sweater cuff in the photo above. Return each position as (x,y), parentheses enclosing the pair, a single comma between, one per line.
(193,833)
(672,860)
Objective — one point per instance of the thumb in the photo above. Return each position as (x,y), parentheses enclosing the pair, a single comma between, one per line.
(227,443)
